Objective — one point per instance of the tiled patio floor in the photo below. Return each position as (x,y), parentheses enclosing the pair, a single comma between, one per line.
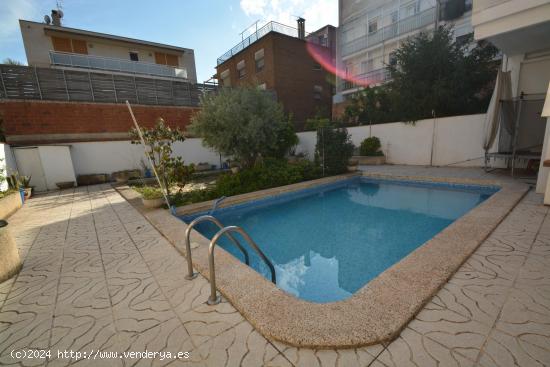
(97,275)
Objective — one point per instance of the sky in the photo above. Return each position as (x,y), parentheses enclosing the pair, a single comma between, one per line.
(210,27)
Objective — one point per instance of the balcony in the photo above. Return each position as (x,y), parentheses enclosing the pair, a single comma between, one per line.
(269,27)
(373,77)
(396,29)
(114,64)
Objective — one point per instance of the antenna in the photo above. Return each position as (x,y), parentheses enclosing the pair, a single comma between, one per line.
(47,19)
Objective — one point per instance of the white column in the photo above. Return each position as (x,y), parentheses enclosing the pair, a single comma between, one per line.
(543,184)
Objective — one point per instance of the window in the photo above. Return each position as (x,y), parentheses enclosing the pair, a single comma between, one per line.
(225,78)
(408,10)
(259,60)
(162,58)
(392,59)
(134,56)
(394,16)
(316,66)
(373,26)
(367,66)
(62,44)
(317,90)
(241,69)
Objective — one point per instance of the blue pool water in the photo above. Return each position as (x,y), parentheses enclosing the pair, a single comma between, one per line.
(328,242)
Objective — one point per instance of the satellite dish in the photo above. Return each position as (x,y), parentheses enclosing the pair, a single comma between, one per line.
(47,19)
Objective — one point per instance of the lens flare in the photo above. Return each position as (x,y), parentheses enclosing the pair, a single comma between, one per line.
(322,56)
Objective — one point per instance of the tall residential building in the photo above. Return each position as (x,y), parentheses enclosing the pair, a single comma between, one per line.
(281,60)
(371,30)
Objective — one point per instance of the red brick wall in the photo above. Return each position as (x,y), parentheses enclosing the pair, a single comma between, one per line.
(49,121)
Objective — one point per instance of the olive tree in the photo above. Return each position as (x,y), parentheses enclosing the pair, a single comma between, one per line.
(245,124)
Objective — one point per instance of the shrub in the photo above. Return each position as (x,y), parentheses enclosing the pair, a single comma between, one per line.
(333,150)
(245,124)
(149,192)
(370,146)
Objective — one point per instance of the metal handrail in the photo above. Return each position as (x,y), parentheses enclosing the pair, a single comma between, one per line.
(214,299)
(206,218)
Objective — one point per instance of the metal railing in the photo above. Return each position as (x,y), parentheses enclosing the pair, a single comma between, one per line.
(372,77)
(206,218)
(401,27)
(269,27)
(214,298)
(114,64)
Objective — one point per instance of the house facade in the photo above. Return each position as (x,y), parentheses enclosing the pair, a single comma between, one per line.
(57,46)
(370,31)
(279,59)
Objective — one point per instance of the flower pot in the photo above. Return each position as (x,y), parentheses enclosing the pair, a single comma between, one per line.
(152,203)
(28,192)
(22,193)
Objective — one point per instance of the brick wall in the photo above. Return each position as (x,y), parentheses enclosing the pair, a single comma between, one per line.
(29,122)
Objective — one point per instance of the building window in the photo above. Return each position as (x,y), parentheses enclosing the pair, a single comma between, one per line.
(134,56)
(392,59)
(394,16)
(316,66)
(225,78)
(69,45)
(166,59)
(259,60)
(373,26)
(241,69)
(317,90)
(408,10)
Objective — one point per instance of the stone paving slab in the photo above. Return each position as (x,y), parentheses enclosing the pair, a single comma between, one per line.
(96,275)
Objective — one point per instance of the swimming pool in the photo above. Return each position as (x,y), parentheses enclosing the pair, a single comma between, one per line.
(328,241)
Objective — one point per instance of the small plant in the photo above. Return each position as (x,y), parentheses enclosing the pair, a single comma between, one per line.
(25,181)
(13,181)
(371,147)
(150,192)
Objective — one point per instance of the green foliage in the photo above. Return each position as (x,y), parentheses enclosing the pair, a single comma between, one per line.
(244,123)
(317,123)
(149,192)
(2,172)
(371,105)
(159,141)
(436,76)
(370,147)
(333,150)
(433,75)
(10,61)
(270,173)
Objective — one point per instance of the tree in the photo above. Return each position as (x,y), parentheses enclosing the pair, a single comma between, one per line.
(436,75)
(159,141)
(371,105)
(333,149)
(10,61)
(244,123)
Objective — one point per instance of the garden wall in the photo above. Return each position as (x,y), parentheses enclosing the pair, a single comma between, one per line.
(444,141)
(8,163)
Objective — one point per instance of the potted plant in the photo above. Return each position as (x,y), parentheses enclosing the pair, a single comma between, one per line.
(370,152)
(151,196)
(146,170)
(14,183)
(25,183)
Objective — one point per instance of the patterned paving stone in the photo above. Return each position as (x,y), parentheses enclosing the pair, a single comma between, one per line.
(98,276)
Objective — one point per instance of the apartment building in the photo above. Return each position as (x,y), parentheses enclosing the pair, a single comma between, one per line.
(54,45)
(370,31)
(279,59)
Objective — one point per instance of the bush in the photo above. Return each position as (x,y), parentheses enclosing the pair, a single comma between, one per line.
(149,192)
(245,124)
(370,147)
(333,150)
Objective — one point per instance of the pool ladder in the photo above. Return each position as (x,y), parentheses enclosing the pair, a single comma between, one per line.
(214,299)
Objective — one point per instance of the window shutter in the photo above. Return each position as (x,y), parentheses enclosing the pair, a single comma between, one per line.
(80,47)
(160,58)
(61,44)
(172,60)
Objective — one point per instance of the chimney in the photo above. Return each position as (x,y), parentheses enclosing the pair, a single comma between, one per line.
(301,28)
(56,17)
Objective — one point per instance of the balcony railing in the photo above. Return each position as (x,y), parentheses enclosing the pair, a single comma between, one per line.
(114,64)
(372,77)
(269,27)
(403,26)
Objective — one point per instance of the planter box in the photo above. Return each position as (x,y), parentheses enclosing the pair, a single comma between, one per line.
(10,262)
(152,203)
(369,160)
(10,204)
(124,176)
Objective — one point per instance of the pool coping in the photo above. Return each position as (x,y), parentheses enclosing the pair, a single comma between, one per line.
(374,314)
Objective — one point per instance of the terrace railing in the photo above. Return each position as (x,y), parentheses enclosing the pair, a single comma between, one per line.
(24,82)
(114,64)
(396,29)
(372,77)
(269,27)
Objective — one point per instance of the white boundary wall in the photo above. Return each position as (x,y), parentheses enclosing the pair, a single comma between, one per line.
(7,165)
(452,141)
(112,156)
